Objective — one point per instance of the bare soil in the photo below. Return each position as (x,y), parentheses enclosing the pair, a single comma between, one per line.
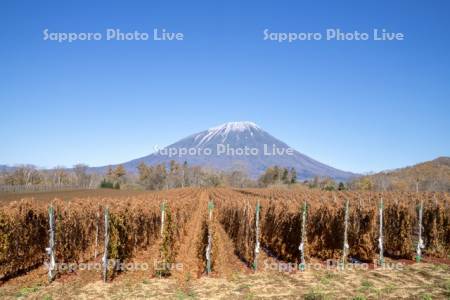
(416,281)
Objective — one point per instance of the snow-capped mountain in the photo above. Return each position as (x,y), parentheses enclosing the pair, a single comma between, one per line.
(242,145)
(240,128)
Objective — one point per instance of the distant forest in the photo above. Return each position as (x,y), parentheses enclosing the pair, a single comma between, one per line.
(428,176)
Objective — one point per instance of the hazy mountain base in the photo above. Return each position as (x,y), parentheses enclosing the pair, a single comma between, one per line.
(418,281)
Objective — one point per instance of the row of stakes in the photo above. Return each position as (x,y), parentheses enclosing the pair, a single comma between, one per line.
(51,249)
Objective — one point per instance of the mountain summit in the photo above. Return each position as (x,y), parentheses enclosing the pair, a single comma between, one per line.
(222,131)
(242,145)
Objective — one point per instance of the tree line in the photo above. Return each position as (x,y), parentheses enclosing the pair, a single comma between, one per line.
(25,175)
(150,177)
(424,177)
(176,175)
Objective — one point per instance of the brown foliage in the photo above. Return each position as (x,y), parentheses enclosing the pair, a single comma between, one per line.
(135,225)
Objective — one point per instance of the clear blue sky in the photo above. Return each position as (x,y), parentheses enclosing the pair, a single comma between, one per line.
(358,106)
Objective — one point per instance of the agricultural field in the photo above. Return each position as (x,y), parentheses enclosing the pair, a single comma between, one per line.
(6,197)
(225,243)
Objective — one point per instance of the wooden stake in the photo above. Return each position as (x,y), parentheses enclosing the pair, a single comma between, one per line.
(105,254)
(51,245)
(303,238)
(255,262)
(345,246)
(380,239)
(96,233)
(420,244)
(163,214)
(209,247)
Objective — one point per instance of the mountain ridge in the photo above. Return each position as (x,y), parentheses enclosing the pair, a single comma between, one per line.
(429,175)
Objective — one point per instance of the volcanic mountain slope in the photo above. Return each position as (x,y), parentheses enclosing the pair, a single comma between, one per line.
(242,145)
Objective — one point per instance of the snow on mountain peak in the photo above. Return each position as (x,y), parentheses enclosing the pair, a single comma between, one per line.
(224,129)
(235,126)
